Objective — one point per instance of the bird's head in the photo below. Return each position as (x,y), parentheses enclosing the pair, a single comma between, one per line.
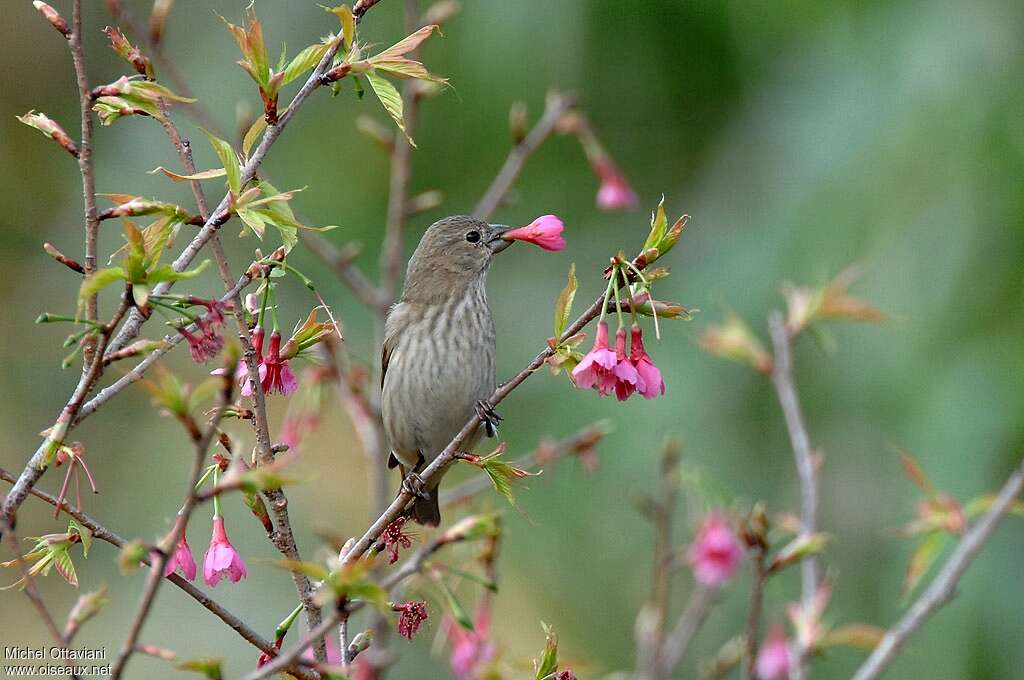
(453,252)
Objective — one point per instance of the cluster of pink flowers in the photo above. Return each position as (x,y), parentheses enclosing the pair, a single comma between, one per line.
(411,616)
(716,553)
(208,341)
(221,558)
(471,649)
(613,371)
(275,373)
(544,232)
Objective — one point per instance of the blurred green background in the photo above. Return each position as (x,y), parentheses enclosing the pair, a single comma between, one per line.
(801,136)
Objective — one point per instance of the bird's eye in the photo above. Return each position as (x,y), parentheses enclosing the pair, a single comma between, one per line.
(473,236)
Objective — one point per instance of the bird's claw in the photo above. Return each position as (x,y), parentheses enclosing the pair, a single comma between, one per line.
(489,417)
(414,484)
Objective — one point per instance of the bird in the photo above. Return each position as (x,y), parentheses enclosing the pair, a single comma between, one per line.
(437,362)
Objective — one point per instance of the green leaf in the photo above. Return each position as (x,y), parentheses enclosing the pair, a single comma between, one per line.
(407,68)
(99,280)
(210,667)
(85,534)
(257,127)
(548,662)
(563,309)
(228,159)
(303,61)
(253,220)
(406,44)
(390,99)
(204,174)
(166,273)
(922,559)
(659,225)
(458,611)
(310,569)
(65,567)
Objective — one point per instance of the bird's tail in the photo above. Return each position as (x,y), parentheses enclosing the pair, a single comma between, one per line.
(426,510)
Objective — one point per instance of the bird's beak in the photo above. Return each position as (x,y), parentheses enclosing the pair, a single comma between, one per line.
(497,243)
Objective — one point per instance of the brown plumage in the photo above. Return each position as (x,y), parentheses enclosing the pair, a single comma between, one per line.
(439,344)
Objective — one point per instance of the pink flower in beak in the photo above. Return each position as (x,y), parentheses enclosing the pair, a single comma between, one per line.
(275,373)
(774,661)
(650,384)
(545,232)
(614,193)
(595,369)
(181,560)
(626,377)
(716,552)
(222,559)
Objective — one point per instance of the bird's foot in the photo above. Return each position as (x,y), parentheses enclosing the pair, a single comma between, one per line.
(414,484)
(489,417)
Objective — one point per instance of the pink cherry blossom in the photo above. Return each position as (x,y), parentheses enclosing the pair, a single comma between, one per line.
(595,369)
(626,377)
(545,231)
(221,558)
(774,659)
(716,552)
(614,193)
(650,384)
(411,615)
(275,373)
(471,649)
(181,560)
(395,537)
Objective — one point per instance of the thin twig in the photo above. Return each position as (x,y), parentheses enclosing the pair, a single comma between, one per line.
(291,655)
(754,615)
(789,401)
(942,589)
(557,105)
(690,621)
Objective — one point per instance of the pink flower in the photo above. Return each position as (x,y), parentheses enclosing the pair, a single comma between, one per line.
(545,231)
(567,674)
(222,559)
(614,193)
(275,373)
(394,538)
(625,373)
(650,383)
(774,660)
(412,614)
(716,552)
(471,649)
(206,344)
(181,560)
(595,369)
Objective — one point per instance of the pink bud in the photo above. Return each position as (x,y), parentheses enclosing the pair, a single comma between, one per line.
(716,552)
(614,193)
(774,660)
(545,231)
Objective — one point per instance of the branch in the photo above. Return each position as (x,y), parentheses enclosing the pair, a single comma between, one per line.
(691,620)
(789,401)
(447,456)
(557,105)
(288,658)
(104,534)
(754,617)
(943,587)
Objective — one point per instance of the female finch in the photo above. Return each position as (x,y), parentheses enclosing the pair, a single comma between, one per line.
(438,355)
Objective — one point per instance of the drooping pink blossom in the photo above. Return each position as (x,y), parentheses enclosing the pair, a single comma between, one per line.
(615,192)
(206,344)
(774,659)
(471,649)
(221,558)
(716,552)
(595,369)
(395,537)
(649,384)
(181,560)
(626,377)
(275,373)
(545,231)
(411,615)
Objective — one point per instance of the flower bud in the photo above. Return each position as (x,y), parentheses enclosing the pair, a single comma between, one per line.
(51,129)
(733,340)
(517,121)
(55,19)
